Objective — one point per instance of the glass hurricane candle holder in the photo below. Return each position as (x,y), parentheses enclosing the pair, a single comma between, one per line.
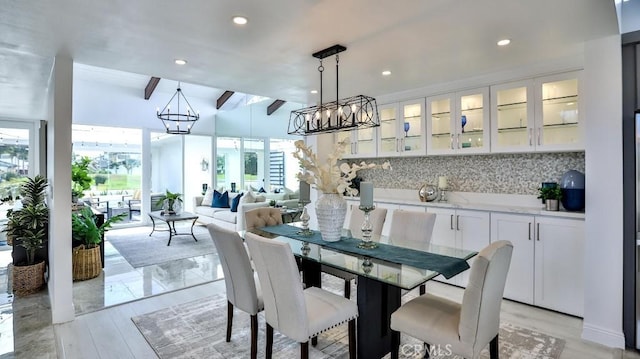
(367,228)
(304,217)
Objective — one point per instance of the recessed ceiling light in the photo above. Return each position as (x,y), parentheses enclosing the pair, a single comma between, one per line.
(240,20)
(504,42)
(180,62)
(314,91)
(386,73)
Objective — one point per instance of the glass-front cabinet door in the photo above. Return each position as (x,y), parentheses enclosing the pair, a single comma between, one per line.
(558,124)
(388,144)
(512,117)
(440,127)
(362,142)
(473,120)
(412,131)
(402,129)
(458,123)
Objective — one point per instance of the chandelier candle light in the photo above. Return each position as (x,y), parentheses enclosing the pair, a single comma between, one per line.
(172,121)
(366,205)
(342,114)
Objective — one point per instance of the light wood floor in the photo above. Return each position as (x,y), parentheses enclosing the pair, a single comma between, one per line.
(110,333)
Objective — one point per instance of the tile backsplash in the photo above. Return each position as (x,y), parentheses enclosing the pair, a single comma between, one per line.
(494,173)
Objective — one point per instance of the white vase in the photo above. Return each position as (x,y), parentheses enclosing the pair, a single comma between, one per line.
(331,210)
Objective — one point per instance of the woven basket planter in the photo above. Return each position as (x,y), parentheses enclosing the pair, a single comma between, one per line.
(27,279)
(86,262)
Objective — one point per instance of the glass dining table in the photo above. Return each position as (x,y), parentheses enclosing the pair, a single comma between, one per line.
(382,273)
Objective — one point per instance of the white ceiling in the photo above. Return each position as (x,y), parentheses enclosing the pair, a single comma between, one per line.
(423,42)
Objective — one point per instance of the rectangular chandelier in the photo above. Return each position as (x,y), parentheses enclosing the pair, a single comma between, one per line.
(346,114)
(340,115)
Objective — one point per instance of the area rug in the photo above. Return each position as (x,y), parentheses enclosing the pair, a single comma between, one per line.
(197,330)
(141,250)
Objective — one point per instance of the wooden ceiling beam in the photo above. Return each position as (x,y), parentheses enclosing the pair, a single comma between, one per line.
(274,106)
(223,98)
(153,82)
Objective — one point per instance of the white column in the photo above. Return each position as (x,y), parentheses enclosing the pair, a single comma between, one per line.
(59,197)
(603,162)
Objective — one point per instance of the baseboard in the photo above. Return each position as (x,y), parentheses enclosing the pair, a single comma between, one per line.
(603,336)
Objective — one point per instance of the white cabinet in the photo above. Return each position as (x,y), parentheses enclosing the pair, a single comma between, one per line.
(559,126)
(462,229)
(402,129)
(362,142)
(547,266)
(537,115)
(459,122)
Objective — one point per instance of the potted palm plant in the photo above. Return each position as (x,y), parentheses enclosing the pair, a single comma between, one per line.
(171,202)
(28,228)
(86,260)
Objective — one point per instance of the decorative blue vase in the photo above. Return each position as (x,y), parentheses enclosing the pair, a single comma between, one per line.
(464,121)
(572,185)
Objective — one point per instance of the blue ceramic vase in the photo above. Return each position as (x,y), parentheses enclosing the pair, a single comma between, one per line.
(572,185)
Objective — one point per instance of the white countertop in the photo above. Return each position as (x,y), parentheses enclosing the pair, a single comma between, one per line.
(493,202)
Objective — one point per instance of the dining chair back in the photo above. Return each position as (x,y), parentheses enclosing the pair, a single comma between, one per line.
(300,314)
(262,217)
(376,217)
(466,328)
(411,229)
(243,288)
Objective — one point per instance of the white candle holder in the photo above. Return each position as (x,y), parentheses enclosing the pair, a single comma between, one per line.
(304,217)
(367,228)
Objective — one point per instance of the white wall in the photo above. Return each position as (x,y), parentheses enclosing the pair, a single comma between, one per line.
(603,213)
(59,195)
(196,148)
(252,121)
(96,103)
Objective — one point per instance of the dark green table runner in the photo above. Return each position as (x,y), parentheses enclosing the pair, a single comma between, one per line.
(445,265)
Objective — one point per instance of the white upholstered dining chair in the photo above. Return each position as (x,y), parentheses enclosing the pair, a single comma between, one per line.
(377,218)
(243,287)
(465,328)
(262,217)
(299,314)
(413,230)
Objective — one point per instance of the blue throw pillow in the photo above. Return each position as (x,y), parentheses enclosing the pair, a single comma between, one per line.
(261,190)
(235,202)
(220,200)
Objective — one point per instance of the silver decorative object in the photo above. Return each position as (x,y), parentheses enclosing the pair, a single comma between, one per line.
(304,217)
(428,193)
(367,228)
(331,210)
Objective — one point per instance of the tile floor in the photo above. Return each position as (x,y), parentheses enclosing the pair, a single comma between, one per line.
(23,331)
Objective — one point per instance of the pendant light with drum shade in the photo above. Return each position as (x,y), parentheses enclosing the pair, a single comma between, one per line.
(175,122)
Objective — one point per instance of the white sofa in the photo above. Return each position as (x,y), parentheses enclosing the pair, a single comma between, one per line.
(223,217)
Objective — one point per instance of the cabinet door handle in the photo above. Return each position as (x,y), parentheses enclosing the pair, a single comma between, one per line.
(539,132)
(397,145)
(451,146)
(355,145)
(537,231)
(458,222)
(531,137)
(452,222)
(529,230)
(458,141)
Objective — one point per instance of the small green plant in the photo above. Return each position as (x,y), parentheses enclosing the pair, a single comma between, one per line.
(85,229)
(546,193)
(171,199)
(272,203)
(80,180)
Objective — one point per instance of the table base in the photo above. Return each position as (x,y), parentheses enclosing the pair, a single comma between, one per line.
(172,229)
